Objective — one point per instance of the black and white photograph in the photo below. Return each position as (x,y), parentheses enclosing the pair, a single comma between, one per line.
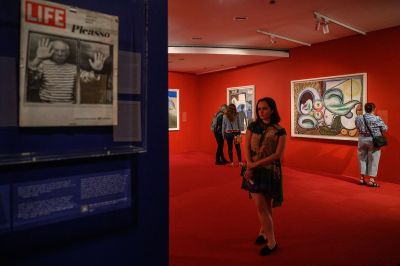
(69,67)
(52,69)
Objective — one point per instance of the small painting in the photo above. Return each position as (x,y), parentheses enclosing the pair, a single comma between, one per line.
(173,109)
(243,99)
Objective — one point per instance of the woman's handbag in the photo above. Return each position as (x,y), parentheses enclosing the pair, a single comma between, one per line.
(237,139)
(379,141)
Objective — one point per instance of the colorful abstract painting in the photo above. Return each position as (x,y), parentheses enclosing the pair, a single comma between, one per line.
(326,107)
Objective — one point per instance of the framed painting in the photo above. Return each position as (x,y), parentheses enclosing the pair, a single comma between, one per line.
(326,108)
(243,99)
(173,109)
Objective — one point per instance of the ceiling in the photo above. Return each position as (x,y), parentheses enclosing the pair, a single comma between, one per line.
(196,27)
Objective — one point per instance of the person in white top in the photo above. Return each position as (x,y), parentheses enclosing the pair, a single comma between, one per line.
(232,127)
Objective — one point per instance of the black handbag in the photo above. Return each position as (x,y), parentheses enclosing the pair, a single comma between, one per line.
(379,141)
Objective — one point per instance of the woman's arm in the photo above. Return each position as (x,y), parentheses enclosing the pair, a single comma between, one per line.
(247,149)
(247,145)
(383,127)
(273,157)
(224,119)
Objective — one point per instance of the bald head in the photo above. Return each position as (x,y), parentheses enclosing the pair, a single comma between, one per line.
(60,51)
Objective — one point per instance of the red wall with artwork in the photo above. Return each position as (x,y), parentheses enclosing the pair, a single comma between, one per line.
(184,139)
(375,54)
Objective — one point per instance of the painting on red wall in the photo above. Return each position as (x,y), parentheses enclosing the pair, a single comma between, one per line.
(326,107)
(173,109)
(243,99)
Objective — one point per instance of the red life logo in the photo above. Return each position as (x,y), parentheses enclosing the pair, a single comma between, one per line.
(45,15)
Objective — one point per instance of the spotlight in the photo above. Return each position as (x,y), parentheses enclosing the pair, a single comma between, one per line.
(325,27)
(323,21)
(274,36)
(317,24)
(272,40)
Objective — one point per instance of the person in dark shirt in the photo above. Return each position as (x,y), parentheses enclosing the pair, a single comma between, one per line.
(217,130)
(264,146)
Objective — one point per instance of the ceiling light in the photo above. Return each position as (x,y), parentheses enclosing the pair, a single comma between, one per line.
(325,28)
(272,40)
(282,37)
(216,70)
(225,51)
(317,24)
(322,22)
(239,18)
(325,20)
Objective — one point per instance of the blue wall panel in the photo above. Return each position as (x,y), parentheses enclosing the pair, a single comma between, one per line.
(136,236)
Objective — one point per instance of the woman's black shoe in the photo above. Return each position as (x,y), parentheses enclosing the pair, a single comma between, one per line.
(260,240)
(265,251)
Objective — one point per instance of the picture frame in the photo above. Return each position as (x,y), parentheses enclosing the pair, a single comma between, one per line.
(68,72)
(326,107)
(173,109)
(243,98)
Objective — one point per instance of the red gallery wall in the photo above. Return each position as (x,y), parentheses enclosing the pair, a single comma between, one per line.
(376,54)
(184,139)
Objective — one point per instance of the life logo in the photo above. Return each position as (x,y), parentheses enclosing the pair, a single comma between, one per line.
(45,14)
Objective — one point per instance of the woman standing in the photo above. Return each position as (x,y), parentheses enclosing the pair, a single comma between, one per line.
(368,155)
(231,127)
(265,143)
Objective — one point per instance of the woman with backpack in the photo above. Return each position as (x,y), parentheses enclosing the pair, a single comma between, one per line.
(216,128)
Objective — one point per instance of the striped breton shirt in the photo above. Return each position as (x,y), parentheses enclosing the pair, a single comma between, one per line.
(58,81)
(374,122)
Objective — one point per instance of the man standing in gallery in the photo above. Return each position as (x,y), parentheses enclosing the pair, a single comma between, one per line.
(55,77)
(216,127)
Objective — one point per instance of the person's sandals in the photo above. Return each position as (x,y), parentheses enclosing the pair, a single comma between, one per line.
(260,240)
(372,183)
(362,181)
(265,251)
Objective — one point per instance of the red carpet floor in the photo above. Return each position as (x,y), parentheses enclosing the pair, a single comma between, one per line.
(324,220)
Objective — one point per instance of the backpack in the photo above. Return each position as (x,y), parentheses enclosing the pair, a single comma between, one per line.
(214,121)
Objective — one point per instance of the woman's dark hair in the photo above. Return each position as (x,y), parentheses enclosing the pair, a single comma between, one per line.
(369,107)
(231,112)
(275,118)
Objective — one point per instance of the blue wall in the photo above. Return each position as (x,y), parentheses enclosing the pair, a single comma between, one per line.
(138,236)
